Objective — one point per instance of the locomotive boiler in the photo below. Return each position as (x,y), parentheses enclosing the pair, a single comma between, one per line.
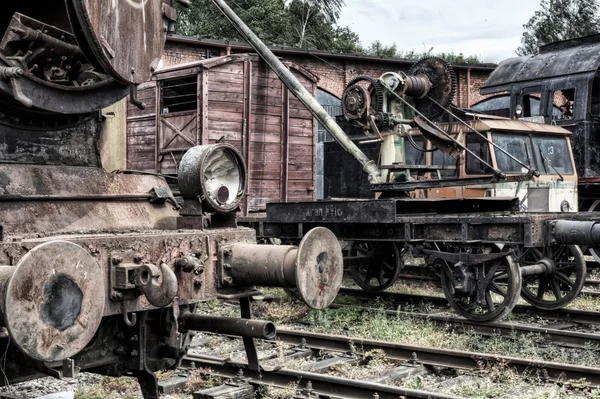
(102,271)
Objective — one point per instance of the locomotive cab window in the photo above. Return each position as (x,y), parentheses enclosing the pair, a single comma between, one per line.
(179,95)
(479,147)
(531,105)
(564,104)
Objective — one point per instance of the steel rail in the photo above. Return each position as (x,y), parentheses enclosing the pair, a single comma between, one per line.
(322,384)
(567,339)
(437,282)
(441,357)
(569,315)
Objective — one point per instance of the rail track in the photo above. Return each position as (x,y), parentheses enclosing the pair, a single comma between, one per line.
(416,274)
(564,315)
(559,333)
(324,348)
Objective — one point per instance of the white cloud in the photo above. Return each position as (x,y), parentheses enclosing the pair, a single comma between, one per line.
(490,29)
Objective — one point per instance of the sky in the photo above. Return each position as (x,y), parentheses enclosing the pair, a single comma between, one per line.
(489,29)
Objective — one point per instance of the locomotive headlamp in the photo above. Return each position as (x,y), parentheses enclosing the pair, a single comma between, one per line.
(214,174)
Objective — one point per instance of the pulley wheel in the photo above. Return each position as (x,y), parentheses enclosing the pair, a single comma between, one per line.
(497,286)
(379,266)
(557,289)
(125,37)
(54,301)
(319,268)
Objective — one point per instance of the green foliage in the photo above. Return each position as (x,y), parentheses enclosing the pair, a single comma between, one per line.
(559,20)
(346,41)
(380,50)
(267,18)
(312,22)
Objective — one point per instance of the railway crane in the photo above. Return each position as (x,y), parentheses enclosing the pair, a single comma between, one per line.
(488,252)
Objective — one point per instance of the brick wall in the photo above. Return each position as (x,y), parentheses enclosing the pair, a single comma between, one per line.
(333,74)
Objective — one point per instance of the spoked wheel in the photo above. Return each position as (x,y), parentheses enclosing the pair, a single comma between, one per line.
(482,293)
(374,266)
(561,283)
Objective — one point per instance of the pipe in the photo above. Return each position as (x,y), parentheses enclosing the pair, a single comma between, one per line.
(290,81)
(572,232)
(227,326)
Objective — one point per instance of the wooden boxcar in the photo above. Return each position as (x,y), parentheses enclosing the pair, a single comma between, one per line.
(235,99)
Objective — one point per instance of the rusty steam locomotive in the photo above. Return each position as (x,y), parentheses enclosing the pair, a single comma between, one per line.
(103,271)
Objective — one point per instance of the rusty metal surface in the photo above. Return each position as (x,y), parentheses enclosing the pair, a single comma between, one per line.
(319,268)
(215,175)
(47,217)
(577,56)
(125,37)
(314,268)
(146,247)
(54,301)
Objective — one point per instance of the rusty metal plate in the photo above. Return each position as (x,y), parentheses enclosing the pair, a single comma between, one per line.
(320,268)
(55,301)
(125,37)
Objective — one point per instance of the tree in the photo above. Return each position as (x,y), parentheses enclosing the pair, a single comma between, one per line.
(346,41)
(559,20)
(267,18)
(312,19)
(379,49)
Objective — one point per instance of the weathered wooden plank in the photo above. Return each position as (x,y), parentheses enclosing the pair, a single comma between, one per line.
(218,87)
(226,78)
(274,91)
(300,113)
(268,100)
(264,129)
(231,126)
(264,165)
(266,109)
(301,175)
(232,68)
(263,147)
(228,136)
(270,184)
(302,131)
(225,106)
(264,157)
(265,137)
(146,139)
(261,119)
(225,96)
(308,141)
(224,116)
(265,174)
(302,123)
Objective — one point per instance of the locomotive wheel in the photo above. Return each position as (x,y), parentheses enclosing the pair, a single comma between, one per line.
(555,290)
(500,282)
(380,266)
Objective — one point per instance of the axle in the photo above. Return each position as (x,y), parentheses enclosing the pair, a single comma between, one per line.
(543,267)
